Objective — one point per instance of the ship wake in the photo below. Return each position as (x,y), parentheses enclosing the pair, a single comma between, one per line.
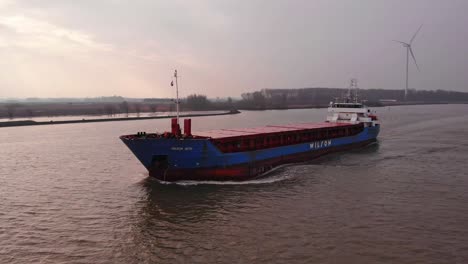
(276,175)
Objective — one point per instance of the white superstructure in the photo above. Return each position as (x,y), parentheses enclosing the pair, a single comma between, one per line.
(350,111)
(353,113)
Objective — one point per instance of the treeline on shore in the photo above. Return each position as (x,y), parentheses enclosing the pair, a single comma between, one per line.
(321,97)
(259,100)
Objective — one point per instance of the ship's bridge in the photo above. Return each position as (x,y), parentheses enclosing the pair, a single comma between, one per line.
(347,105)
(350,112)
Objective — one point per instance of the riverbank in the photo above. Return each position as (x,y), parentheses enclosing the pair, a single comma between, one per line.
(369,104)
(52,122)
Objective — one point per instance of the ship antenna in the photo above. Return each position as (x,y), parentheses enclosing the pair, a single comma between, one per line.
(177,95)
(348,95)
(354,86)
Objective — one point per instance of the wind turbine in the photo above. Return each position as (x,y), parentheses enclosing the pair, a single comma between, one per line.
(408,51)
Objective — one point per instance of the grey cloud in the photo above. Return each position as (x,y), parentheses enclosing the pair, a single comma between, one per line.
(228,47)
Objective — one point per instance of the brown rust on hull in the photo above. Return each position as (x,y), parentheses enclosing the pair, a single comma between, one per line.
(244,171)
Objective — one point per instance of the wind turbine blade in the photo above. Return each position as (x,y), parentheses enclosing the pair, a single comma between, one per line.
(414,58)
(401,42)
(414,36)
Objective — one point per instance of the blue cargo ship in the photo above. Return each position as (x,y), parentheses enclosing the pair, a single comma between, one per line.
(242,154)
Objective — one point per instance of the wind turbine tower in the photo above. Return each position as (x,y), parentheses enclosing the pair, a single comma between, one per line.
(409,51)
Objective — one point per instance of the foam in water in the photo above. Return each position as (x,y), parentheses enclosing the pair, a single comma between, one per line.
(266,178)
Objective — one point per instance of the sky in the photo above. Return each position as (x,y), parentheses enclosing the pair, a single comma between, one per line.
(88,48)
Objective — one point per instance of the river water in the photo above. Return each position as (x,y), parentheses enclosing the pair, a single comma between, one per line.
(75,194)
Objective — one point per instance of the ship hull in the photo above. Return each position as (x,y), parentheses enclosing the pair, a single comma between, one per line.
(246,171)
(200,160)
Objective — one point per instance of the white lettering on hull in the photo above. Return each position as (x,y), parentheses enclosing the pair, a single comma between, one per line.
(320,144)
(181,148)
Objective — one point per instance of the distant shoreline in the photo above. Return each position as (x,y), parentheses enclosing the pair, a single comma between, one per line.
(369,105)
(51,122)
